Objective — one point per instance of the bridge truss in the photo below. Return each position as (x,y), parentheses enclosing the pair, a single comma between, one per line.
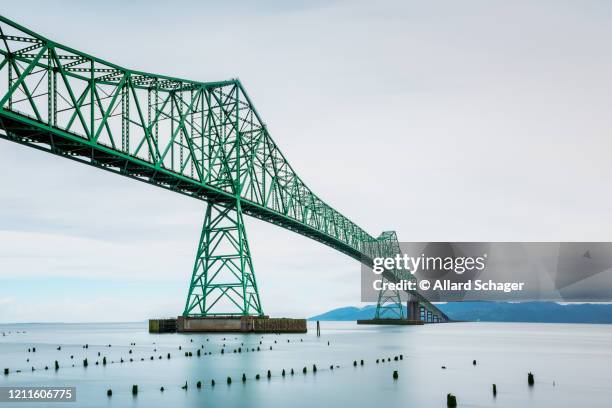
(201,139)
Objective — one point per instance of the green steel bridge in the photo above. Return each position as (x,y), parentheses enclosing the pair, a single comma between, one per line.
(205,140)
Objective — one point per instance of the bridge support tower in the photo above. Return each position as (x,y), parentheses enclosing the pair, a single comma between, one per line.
(223,279)
(389,304)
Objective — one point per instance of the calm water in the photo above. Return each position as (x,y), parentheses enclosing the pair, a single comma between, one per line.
(572,365)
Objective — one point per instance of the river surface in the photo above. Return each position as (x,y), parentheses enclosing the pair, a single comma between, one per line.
(572,364)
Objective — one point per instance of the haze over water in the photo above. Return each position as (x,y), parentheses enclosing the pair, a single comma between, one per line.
(572,364)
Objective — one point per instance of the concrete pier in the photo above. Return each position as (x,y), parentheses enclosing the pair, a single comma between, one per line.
(412,308)
(162,325)
(228,324)
(397,322)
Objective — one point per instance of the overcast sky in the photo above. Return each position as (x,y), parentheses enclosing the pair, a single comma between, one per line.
(446,121)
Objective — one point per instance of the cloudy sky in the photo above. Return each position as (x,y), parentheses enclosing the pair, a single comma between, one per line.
(446,121)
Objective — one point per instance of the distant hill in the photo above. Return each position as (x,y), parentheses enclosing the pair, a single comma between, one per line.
(533,312)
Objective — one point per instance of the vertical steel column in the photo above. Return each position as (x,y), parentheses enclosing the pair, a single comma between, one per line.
(192,134)
(149,116)
(49,89)
(156,115)
(203,134)
(171,130)
(125,117)
(10,80)
(179,108)
(92,92)
(54,86)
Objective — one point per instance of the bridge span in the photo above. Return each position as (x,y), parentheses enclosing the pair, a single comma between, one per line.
(204,140)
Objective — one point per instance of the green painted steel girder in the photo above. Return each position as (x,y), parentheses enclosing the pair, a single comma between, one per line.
(205,140)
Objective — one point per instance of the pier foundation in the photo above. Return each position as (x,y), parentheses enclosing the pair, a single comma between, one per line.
(413,310)
(228,324)
(397,322)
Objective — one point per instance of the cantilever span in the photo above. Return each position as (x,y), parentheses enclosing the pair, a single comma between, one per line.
(201,139)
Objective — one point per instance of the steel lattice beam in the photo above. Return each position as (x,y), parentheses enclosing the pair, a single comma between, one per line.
(202,139)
